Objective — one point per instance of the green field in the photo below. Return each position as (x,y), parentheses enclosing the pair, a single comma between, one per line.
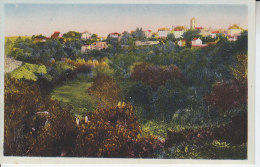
(13,38)
(74,94)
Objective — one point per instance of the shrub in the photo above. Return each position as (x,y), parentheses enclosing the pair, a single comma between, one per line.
(227,95)
(102,70)
(83,66)
(28,72)
(208,150)
(113,132)
(61,72)
(139,94)
(105,91)
(24,133)
(170,98)
(155,76)
(234,132)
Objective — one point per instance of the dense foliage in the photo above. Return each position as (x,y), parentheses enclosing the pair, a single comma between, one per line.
(157,101)
(155,76)
(105,90)
(114,132)
(26,131)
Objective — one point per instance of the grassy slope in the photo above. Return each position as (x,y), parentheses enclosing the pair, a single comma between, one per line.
(74,93)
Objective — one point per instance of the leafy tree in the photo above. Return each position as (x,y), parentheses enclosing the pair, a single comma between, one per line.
(138,34)
(102,70)
(28,72)
(127,39)
(240,70)
(242,43)
(154,75)
(139,94)
(232,94)
(190,35)
(72,35)
(171,37)
(94,37)
(227,95)
(105,91)
(8,46)
(208,39)
(170,98)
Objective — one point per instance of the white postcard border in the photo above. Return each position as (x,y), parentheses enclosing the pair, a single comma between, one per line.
(251,92)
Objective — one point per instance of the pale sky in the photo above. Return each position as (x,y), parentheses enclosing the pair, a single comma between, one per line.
(34,19)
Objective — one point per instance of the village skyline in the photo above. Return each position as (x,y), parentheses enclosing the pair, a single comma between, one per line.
(83,18)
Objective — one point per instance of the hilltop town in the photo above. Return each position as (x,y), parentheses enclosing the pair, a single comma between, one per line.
(178,92)
(203,36)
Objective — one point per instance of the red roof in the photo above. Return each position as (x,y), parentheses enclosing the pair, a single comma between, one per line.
(215,32)
(55,34)
(199,28)
(114,33)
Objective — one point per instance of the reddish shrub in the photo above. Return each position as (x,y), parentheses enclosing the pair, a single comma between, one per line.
(227,95)
(28,130)
(154,75)
(113,132)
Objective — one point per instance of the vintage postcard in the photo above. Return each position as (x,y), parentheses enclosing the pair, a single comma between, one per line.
(127,81)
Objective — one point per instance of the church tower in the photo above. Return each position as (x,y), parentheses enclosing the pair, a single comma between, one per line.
(193,23)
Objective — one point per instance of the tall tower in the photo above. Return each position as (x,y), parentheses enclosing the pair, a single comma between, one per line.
(193,23)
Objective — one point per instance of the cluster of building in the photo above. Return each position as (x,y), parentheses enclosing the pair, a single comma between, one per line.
(94,46)
(232,34)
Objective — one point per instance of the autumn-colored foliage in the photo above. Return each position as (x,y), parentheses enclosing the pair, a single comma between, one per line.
(155,75)
(227,95)
(234,132)
(113,132)
(21,102)
(105,91)
(231,94)
(240,70)
(57,136)
(27,129)
(82,65)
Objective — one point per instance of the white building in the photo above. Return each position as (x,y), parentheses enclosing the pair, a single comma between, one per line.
(196,42)
(148,33)
(146,43)
(178,31)
(86,35)
(234,30)
(114,35)
(232,38)
(94,46)
(163,32)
